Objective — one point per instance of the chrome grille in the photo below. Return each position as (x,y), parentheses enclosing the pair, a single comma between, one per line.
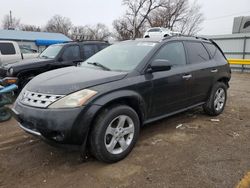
(39,100)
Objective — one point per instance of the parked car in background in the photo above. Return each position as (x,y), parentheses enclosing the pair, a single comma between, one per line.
(104,102)
(54,57)
(10,52)
(159,32)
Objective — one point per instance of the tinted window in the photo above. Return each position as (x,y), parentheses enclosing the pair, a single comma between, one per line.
(214,51)
(154,30)
(71,53)
(102,46)
(196,52)
(89,50)
(173,52)
(7,49)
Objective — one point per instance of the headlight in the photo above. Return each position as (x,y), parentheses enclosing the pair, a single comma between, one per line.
(74,100)
(10,71)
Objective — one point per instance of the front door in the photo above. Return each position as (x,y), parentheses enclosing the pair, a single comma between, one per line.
(170,87)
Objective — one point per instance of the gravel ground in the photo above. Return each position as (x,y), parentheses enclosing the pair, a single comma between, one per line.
(199,153)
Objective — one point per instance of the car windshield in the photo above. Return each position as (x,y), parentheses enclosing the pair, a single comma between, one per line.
(124,56)
(51,52)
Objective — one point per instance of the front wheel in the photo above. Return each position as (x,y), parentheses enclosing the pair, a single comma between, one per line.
(217,100)
(115,133)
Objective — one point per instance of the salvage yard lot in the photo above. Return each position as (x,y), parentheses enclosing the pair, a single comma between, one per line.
(199,153)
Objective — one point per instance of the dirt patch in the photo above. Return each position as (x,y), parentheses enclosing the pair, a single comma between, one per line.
(200,153)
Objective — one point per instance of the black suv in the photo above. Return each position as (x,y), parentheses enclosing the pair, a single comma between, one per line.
(54,57)
(102,104)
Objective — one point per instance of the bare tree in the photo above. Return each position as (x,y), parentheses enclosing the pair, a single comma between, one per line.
(123,30)
(136,16)
(175,15)
(59,24)
(170,13)
(10,22)
(79,33)
(26,27)
(95,32)
(192,21)
(99,32)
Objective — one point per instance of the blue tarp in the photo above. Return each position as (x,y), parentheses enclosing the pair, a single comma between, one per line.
(48,42)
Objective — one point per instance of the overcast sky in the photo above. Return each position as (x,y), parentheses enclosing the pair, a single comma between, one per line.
(218,13)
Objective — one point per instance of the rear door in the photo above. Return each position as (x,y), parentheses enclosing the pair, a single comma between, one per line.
(202,67)
(170,87)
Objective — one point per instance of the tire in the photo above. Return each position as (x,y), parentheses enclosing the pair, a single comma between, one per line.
(215,106)
(5,114)
(108,132)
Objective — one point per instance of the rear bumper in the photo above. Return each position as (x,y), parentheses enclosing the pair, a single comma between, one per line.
(64,126)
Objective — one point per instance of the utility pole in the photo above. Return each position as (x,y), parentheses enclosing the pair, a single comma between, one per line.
(11,21)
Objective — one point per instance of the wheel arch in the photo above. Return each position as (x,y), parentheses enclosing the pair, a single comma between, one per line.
(129,98)
(225,80)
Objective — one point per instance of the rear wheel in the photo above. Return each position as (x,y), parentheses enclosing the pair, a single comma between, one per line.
(217,100)
(115,133)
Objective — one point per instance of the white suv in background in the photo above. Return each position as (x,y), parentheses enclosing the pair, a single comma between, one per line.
(159,32)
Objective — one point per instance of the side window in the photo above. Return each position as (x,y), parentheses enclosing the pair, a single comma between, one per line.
(71,53)
(102,46)
(89,50)
(196,52)
(154,30)
(173,52)
(214,51)
(7,49)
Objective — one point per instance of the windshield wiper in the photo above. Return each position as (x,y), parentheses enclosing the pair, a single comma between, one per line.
(99,65)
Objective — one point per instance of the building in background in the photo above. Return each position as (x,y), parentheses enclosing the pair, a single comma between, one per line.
(237,44)
(241,24)
(33,40)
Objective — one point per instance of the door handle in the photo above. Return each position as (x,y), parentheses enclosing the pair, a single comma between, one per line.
(214,70)
(187,76)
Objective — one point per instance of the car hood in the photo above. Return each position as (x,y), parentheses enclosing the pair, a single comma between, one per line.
(27,63)
(71,79)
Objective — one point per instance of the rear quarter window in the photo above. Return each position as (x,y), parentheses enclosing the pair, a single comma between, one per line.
(196,52)
(7,49)
(214,52)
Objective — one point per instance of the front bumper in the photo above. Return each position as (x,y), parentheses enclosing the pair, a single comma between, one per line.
(66,126)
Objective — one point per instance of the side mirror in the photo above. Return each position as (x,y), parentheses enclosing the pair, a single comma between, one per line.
(160,65)
(77,61)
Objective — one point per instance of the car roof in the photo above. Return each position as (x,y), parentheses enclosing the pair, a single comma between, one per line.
(176,37)
(86,42)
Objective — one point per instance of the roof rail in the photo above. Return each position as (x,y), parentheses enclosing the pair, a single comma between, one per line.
(183,35)
(91,41)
